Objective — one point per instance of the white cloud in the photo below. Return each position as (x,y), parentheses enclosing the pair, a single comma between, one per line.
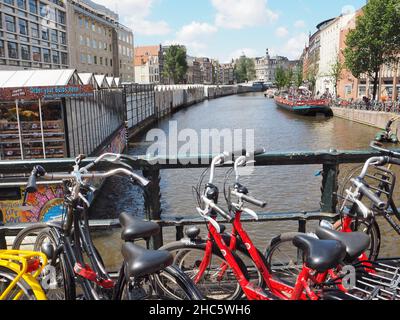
(237,14)
(295,46)
(194,36)
(349,9)
(248,52)
(281,32)
(299,24)
(135,14)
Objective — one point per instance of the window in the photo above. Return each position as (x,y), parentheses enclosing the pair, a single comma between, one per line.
(25,54)
(86,24)
(36,54)
(56,57)
(105,46)
(64,58)
(43,9)
(45,33)
(12,50)
(21,4)
(23,27)
(10,23)
(87,42)
(53,34)
(89,59)
(34,30)
(60,17)
(100,44)
(9,2)
(94,44)
(80,22)
(2,53)
(33,6)
(51,13)
(93,27)
(110,62)
(46,55)
(63,38)
(81,40)
(106,61)
(101,60)
(95,59)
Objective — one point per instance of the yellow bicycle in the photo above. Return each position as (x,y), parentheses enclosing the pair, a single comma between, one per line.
(19,273)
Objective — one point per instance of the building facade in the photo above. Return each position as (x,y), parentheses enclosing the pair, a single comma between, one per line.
(77,34)
(206,69)
(329,52)
(147,64)
(33,34)
(193,73)
(266,67)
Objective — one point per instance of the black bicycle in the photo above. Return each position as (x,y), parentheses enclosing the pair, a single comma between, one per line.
(144,274)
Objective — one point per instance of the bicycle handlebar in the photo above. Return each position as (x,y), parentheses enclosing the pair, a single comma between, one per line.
(379,147)
(217,209)
(251,200)
(369,194)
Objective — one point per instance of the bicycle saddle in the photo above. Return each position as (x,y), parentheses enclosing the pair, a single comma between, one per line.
(356,242)
(135,228)
(320,255)
(141,262)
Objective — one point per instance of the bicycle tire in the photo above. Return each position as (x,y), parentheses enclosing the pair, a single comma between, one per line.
(7,274)
(286,271)
(220,292)
(26,232)
(186,288)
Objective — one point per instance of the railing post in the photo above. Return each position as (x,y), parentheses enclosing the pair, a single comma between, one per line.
(152,203)
(3,242)
(329,187)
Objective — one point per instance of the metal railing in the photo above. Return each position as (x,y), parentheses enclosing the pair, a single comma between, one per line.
(12,171)
(390,107)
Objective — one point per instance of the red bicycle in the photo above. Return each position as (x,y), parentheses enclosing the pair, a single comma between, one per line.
(219,272)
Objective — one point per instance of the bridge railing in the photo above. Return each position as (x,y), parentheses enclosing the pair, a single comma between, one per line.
(17,172)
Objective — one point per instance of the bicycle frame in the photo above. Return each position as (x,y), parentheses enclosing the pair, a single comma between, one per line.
(19,262)
(301,291)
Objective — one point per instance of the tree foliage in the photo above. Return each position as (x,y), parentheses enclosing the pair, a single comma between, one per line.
(336,72)
(375,40)
(175,64)
(298,76)
(245,69)
(284,77)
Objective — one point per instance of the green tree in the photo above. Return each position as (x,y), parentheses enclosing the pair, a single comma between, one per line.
(298,76)
(335,73)
(311,77)
(245,69)
(280,78)
(289,77)
(375,40)
(175,64)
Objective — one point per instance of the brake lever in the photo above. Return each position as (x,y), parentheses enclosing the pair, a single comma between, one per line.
(251,213)
(365,211)
(209,219)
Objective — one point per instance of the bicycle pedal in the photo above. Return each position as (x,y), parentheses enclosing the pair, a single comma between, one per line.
(87,273)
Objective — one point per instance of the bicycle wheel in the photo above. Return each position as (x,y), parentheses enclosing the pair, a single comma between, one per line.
(215,283)
(173,283)
(284,261)
(22,291)
(35,236)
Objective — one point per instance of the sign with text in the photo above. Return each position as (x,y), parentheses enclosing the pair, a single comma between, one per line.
(48,93)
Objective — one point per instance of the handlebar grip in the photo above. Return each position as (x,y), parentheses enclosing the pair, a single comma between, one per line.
(372,196)
(31,187)
(258,203)
(394,161)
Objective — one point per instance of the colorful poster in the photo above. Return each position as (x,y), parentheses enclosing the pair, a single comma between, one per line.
(42,206)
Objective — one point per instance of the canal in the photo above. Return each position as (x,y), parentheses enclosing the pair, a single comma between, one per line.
(285,188)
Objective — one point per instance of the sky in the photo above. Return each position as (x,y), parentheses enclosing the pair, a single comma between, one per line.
(225,29)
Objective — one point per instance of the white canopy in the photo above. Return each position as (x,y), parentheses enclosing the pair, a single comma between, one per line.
(38,78)
(101,80)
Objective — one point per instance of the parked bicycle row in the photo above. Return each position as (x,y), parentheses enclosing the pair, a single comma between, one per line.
(338,261)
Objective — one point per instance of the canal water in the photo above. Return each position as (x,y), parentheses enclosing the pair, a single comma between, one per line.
(284,188)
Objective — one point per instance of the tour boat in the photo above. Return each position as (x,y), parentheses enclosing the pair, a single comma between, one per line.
(306,107)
